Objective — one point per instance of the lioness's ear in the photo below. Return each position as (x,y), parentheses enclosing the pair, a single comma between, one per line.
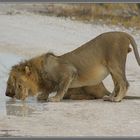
(27,70)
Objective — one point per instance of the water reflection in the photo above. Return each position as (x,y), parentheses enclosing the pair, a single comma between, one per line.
(12,107)
(15,108)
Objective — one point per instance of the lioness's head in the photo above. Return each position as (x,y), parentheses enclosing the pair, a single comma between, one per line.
(21,83)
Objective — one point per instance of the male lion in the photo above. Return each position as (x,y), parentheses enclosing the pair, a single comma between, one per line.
(86,66)
(19,85)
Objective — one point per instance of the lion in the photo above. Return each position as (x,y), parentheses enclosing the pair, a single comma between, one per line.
(85,66)
(17,86)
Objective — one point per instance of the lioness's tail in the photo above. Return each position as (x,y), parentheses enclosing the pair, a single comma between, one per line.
(134,45)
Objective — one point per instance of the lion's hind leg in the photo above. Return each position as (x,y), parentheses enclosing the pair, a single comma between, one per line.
(120,84)
(78,94)
(81,97)
(87,92)
(98,91)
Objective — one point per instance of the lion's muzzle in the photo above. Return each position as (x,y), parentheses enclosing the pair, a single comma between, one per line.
(9,94)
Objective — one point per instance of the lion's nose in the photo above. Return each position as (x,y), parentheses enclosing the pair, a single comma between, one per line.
(9,94)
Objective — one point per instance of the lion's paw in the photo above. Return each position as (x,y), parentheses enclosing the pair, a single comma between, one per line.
(54,99)
(106,98)
(41,97)
(111,99)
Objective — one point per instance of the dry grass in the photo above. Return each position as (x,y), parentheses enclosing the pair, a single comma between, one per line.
(127,15)
(124,14)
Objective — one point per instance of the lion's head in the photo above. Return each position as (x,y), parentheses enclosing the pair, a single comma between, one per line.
(29,78)
(21,83)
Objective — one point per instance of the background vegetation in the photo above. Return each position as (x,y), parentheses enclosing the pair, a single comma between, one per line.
(124,14)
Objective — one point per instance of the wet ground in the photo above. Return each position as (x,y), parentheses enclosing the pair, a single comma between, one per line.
(27,35)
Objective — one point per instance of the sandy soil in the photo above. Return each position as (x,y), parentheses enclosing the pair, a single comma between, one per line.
(26,35)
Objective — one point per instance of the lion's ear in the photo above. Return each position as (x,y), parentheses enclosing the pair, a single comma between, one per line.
(27,70)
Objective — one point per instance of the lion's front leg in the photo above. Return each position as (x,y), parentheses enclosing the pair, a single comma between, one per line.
(63,87)
(42,96)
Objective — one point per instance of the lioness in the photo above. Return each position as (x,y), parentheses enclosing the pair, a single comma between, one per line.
(86,66)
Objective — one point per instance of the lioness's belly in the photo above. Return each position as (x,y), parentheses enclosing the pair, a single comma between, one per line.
(93,76)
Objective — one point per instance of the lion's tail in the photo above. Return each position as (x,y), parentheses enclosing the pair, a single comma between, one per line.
(134,45)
